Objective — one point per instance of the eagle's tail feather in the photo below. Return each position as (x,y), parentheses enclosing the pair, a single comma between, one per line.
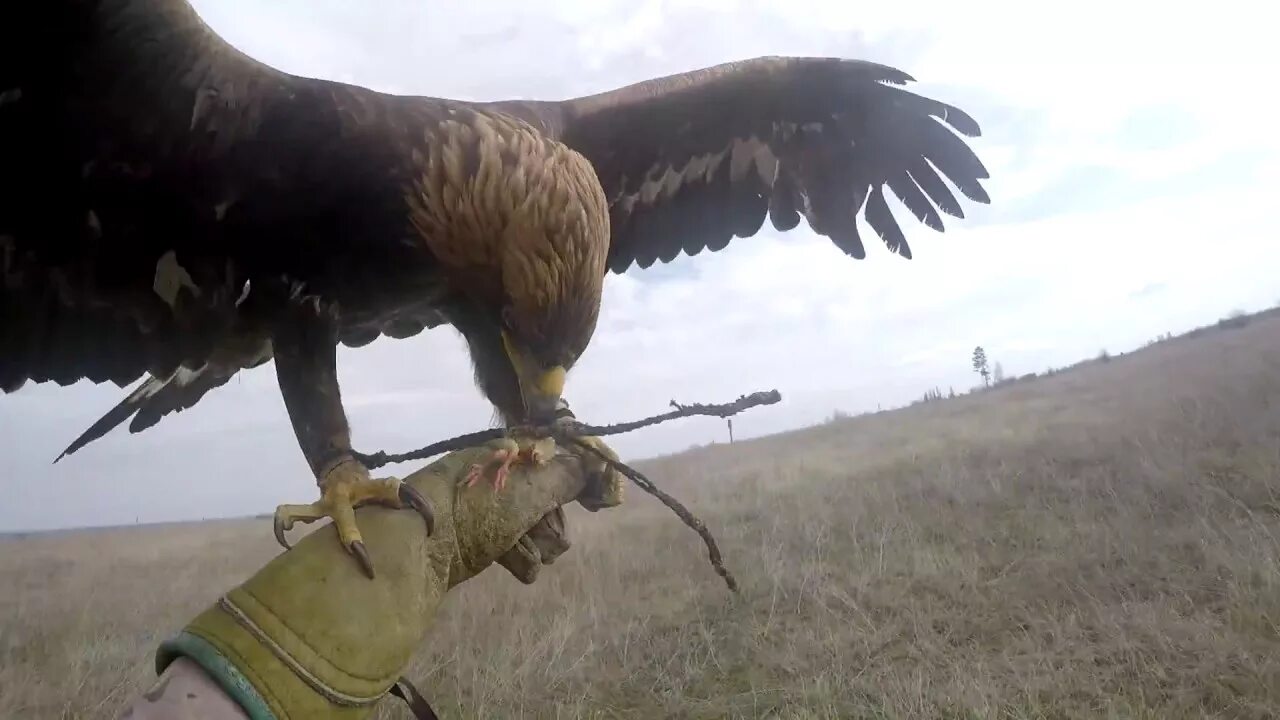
(153,399)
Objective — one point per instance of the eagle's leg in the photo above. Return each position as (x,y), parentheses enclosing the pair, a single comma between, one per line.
(509,451)
(305,348)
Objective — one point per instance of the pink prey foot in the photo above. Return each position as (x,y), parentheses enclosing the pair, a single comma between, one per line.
(502,457)
(508,452)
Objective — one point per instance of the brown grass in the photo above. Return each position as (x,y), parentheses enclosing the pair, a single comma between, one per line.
(1099,543)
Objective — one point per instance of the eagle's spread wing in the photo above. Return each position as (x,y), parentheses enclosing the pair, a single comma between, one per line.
(690,161)
(150,170)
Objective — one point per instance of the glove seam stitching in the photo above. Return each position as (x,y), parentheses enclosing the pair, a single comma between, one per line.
(266,610)
(333,695)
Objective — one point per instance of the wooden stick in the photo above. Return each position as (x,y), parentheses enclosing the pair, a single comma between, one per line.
(573,431)
(571,428)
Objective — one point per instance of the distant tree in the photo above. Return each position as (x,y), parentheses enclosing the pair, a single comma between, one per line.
(997,373)
(952,393)
(980,365)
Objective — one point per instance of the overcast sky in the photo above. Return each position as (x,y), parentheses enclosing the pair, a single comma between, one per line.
(1133,159)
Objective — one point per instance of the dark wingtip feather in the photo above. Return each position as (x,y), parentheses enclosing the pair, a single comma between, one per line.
(976,193)
(979,168)
(783,214)
(784,220)
(912,196)
(926,176)
(883,73)
(619,264)
(845,236)
(960,120)
(155,398)
(116,415)
(954,159)
(885,225)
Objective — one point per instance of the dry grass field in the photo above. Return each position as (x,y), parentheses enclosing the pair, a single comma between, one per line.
(1097,543)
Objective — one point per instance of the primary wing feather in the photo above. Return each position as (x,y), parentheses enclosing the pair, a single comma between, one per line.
(690,161)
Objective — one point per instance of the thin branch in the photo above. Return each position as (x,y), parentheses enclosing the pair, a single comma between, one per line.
(713,550)
(573,431)
(571,428)
(723,410)
(380,458)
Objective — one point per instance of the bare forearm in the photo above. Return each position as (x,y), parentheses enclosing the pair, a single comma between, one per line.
(184,692)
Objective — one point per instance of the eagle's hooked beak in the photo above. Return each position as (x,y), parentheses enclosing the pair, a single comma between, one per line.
(544,398)
(540,387)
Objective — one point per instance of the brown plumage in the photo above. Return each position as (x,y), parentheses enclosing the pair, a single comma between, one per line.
(171,208)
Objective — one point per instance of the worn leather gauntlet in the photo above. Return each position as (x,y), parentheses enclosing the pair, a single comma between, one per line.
(310,636)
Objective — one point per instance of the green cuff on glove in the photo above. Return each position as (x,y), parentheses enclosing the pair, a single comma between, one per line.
(216,666)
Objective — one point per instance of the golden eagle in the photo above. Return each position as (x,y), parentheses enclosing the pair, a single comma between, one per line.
(172,208)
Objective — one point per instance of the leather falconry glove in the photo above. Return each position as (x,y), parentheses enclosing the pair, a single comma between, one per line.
(310,636)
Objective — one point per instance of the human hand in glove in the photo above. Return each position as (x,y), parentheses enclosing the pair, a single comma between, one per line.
(309,636)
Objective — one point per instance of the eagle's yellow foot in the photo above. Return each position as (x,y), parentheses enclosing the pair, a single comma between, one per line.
(509,451)
(344,488)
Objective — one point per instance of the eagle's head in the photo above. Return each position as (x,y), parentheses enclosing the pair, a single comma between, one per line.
(520,225)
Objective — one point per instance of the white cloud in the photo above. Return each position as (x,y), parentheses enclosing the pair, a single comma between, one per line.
(1155,109)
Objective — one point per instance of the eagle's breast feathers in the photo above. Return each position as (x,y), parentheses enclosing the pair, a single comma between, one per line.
(517,220)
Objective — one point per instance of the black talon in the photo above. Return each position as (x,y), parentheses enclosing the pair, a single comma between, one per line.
(279,530)
(410,495)
(362,556)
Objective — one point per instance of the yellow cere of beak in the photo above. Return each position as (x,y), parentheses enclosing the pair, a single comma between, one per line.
(551,382)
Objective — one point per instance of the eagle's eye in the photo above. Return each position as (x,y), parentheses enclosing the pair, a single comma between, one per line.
(508,318)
